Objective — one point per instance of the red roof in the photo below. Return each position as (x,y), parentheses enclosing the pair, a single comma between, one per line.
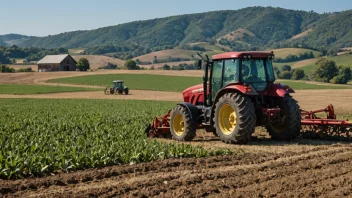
(228,55)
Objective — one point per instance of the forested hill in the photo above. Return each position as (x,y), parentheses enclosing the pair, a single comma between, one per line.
(253,27)
(13,39)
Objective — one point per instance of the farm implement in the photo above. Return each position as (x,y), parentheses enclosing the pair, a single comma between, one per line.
(238,93)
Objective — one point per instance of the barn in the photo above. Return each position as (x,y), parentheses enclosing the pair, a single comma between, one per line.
(62,62)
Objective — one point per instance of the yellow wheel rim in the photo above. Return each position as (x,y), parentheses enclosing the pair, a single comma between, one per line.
(227,119)
(178,125)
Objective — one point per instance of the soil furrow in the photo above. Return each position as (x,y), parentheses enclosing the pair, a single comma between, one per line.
(154,184)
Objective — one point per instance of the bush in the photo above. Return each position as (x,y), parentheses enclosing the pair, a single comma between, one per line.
(6,69)
(286,68)
(131,65)
(285,75)
(29,69)
(298,74)
(344,75)
(109,66)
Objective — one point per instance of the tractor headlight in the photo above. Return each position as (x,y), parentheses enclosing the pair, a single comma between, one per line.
(249,56)
(245,56)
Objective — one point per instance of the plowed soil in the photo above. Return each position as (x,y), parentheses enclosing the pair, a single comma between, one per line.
(278,170)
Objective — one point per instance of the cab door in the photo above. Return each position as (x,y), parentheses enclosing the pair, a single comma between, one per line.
(217,81)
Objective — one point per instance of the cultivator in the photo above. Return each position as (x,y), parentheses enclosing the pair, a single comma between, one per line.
(325,128)
(314,127)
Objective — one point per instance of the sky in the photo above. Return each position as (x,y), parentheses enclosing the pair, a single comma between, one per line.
(48,17)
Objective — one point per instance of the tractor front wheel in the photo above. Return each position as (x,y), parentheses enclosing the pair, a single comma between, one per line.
(234,118)
(126,91)
(182,126)
(290,126)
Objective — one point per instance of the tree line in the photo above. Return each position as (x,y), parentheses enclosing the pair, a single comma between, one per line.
(326,71)
(27,53)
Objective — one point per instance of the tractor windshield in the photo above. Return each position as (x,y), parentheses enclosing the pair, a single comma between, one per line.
(257,72)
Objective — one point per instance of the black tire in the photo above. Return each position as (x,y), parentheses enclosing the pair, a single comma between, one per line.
(126,91)
(189,125)
(291,126)
(245,121)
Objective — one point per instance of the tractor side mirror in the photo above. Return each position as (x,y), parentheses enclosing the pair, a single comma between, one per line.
(199,64)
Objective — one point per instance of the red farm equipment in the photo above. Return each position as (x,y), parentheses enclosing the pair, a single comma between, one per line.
(238,94)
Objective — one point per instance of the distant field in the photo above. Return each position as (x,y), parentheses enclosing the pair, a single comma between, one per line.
(237,34)
(165,83)
(284,52)
(309,65)
(305,33)
(75,51)
(302,85)
(97,61)
(18,89)
(136,81)
(175,53)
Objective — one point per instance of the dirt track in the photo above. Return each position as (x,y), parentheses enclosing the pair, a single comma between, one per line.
(280,170)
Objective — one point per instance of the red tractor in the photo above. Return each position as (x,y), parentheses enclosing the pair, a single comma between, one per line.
(238,93)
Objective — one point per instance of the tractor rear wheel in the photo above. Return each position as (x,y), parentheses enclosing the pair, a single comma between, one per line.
(182,126)
(291,115)
(234,118)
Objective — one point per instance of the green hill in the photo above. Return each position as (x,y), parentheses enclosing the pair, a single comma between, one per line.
(13,39)
(252,28)
(269,25)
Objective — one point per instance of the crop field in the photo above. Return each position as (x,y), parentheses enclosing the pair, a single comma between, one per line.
(284,52)
(18,89)
(88,148)
(136,81)
(40,137)
(164,83)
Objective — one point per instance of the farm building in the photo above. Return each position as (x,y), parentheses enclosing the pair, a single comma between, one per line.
(62,62)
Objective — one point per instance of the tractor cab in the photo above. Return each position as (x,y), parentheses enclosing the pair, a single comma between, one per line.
(118,84)
(250,68)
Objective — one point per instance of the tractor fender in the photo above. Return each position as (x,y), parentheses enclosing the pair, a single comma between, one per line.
(279,90)
(236,88)
(192,109)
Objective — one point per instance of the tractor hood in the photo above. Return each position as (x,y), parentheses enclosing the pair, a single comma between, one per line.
(191,91)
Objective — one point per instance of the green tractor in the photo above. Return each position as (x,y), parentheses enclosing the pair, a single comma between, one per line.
(117,88)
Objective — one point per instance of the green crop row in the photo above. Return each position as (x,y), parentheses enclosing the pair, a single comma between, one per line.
(18,89)
(136,81)
(41,136)
(165,83)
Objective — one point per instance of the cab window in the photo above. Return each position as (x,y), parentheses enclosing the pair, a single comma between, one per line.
(231,74)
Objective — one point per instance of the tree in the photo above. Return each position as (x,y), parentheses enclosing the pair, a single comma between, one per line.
(298,74)
(286,68)
(155,59)
(83,64)
(326,70)
(131,65)
(344,75)
(285,75)
(166,67)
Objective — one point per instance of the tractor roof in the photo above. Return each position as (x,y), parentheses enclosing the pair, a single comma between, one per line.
(117,81)
(229,55)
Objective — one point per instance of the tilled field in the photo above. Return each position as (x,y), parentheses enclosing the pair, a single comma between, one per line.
(275,171)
